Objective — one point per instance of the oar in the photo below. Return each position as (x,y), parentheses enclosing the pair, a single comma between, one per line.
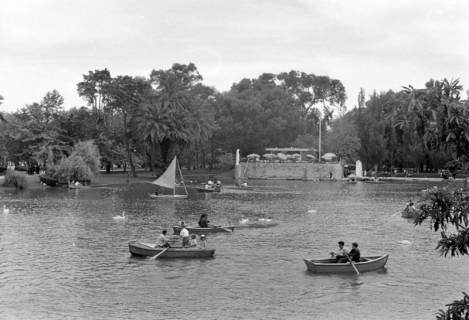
(159,253)
(353,264)
(226,229)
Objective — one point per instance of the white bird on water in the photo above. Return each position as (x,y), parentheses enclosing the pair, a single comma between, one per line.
(122,217)
(405,242)
(5,210)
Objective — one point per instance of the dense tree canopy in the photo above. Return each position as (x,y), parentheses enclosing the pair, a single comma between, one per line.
(146,121)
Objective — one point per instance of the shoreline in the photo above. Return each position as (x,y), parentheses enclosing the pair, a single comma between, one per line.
(194,177)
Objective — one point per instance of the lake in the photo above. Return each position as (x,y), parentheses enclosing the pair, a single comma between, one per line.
(63,256)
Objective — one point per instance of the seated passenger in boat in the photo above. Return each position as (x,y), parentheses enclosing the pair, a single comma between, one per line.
(354,254)
(203,241)
(162,241)
(203,221)
(184,234)
(193,241)
(340,254)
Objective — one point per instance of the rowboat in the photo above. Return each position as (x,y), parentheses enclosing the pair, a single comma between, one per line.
(409,213)
(198,230)
(148,250)
(172,196)
(211,189)
(330,266)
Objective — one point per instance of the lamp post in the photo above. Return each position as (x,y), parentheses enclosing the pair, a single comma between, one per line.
(320,133)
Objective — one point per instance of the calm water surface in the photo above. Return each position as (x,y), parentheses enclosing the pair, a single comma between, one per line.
(63,256)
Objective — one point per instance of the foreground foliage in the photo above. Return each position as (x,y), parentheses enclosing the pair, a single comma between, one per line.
(446,209)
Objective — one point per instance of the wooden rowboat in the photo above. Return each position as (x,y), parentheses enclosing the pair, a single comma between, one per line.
(409,213)
(329,266)
(173,196)
(213,189)
(198,230)
(148,250)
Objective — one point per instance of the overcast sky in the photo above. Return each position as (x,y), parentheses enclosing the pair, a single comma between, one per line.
(378,45)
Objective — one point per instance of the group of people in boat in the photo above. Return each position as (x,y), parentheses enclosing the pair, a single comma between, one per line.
(210,185)
(341,255)
(188,240)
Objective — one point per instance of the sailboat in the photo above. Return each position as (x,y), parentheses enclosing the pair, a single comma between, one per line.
(169,180)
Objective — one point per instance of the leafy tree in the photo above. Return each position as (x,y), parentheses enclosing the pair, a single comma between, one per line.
(82,164)
(170,105)
(254,114)
(93,89)
(310,92)
(125,95)
(39,132)
(2,118)
(343,139)
(443,208)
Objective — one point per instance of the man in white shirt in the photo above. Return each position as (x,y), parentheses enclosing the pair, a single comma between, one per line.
(341,254)
(162,240)
(184,234)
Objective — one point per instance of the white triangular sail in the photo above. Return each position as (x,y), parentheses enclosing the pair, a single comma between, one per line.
(168,178)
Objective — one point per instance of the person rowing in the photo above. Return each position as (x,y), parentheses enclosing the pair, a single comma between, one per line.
(354,253)
(162,241)
(203,221)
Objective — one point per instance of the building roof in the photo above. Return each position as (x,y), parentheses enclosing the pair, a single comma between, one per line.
(290,149)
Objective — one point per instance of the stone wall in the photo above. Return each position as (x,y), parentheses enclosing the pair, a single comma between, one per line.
(299,171)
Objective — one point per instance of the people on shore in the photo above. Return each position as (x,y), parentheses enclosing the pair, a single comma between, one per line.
(354,253)
(340,255)
(162,241)
(184,234)
(203,221)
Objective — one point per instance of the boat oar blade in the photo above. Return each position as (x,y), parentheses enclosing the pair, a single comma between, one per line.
(159,253)
(353,264)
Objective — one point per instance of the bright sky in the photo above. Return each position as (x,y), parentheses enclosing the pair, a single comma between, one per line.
(378,45)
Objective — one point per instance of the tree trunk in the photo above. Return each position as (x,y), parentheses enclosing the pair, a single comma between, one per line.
(127,146)
(165,146)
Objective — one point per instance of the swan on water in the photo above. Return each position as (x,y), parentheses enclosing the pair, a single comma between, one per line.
(407,242)
(122,217)
(312,211)
(5,210)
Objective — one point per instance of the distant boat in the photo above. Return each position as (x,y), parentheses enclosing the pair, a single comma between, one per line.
(169,180)
(409,212)
(209,189)
(148,250)
(198,230)
(330,266)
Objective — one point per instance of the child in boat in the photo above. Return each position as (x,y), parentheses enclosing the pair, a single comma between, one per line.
(184,234)
(193,241)
(203,241)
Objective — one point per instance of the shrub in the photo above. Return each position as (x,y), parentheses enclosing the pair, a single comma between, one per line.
(81,165)
(73,168)
(15,179)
